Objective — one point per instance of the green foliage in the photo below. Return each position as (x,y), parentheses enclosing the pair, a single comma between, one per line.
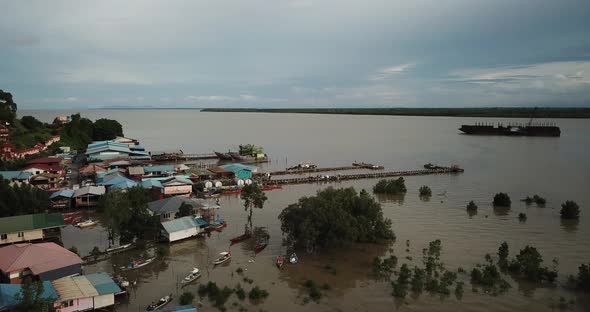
(459,290)
(21,199)
(257,294)
(582,281)
(7,107)
(425,191)
(253,197)
(503,253)
(334,217)
(250,150)
(540,201)
(314,291)
(30,298)
(570,210)
(95,252)
(74,250)
(471,206)
(240,292)
(31,122)
(400,286)
(216,295)
(186,298)
(522,217)
(78,132)
(384,268)
(528,264)
(106,129)
(502,200)
(392,186)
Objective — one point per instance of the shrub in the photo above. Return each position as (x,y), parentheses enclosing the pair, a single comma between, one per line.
(257,294)
(186,298)
(502,200)
(425,191)
(528,263)
(540,201)
(392,186)
(240,292)
(471,206)
(400,286)
(583,280)
(570,210)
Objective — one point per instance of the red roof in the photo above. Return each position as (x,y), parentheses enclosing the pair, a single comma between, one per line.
(92,169)
(45,160)
(39,258)
(44,167)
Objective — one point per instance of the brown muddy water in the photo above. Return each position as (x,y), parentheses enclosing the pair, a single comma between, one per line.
(555,168)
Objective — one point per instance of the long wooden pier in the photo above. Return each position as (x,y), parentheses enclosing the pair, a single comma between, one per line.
(182,156)
(326,169)
(373,175)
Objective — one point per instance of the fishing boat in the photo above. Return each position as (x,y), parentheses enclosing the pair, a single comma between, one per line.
(193,275)
(271,187)
(137,264)
(280,261)
(232,191)
(85,224)
(236,156)
(160,303)
(302,166)
(240,238)
(71,217)
(223,257)
(293,259)
(223,156)
(220,226)
(119,248)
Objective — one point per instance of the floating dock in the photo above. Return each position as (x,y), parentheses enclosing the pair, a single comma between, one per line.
(345,177)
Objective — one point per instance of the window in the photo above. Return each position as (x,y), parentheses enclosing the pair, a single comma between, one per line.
(68,303)
(21,234)
(3,236)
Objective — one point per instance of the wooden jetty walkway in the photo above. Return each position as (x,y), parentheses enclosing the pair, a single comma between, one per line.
(373,175)
(183,156)
(326,169)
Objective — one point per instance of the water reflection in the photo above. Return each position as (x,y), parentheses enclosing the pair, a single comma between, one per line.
(501,211)
(570,225)
(389,198)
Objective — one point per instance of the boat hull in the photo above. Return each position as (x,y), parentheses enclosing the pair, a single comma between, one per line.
(545,131)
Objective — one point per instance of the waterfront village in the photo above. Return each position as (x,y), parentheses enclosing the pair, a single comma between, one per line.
(30,244)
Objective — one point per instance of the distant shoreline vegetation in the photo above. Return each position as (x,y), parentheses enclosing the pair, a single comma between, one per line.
(504,112)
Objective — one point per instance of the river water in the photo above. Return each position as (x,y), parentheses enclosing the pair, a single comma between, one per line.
(555,168)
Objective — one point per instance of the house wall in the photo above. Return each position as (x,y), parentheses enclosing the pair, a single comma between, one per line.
(15,277)
(27,236)
(75,269)
(81,304)
(167,216)
(182,234)
(178,189)
(104,301)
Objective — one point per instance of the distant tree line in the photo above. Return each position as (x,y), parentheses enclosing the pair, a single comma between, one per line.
(80,131)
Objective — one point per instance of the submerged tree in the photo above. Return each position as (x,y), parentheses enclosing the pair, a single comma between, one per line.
(502,200)
(392,186)
(32,298)
(570,210)
(253,197)
(471,206)
(425,191)
(334,217)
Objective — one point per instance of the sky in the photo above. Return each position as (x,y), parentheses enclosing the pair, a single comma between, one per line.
(295,53)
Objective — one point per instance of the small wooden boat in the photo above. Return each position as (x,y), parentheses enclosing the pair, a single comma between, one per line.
(223,156)
(280,261)
(71,217)
(271,187)
(160,303)
(219,226)
(85,224)
(193,275)
(137,264)
(119,248)
(240,238)
(293,259)
(223,257)
(234,191)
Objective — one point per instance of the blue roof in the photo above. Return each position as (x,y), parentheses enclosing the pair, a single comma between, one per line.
(159,168)
(149,183)
(62,193)
(101,175)
(238,167)
(15,175)
(125,185)
(201,222)
(179,224)
(166,178)
(186,308)
(103,283)
(117,180)
(8,291)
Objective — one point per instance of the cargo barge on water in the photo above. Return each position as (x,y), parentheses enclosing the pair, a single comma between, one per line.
(529,129)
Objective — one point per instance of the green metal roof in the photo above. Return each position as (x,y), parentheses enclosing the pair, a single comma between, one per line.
(31,222)
(179,224)
(103,283)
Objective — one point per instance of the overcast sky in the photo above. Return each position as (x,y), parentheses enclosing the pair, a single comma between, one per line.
(295,53)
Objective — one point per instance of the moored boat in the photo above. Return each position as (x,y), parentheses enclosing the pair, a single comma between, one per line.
(293,259)
(223,257)
(86,223)
(160,303)
(137,264)
(240,238)
(119,248)
(271,187)
(193,275)
(223,156)
(280,261)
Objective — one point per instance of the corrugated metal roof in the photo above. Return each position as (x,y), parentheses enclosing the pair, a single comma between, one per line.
(201,221)
(158,168)
(149,183)
(15,175)
(136,170)
(89,190)
(39,258)
(101,175)
(31,222)
(8,293)
(238,167)
(62,193)
(76,287)
(103,283)
(176,180)
(172,204)
(200,171)
(125,185)
(186,308)
(180,224)
(117,180)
